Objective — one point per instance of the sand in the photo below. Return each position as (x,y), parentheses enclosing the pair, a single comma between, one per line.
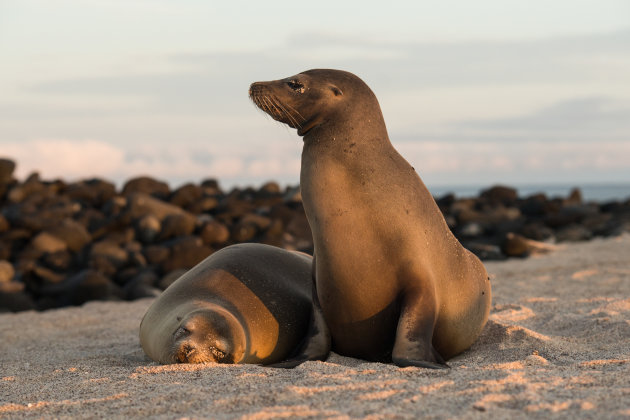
(557,345)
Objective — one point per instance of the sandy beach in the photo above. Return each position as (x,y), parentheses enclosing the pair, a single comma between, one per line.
(557,345)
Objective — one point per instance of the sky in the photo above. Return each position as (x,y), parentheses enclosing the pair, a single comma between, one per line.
(473,93)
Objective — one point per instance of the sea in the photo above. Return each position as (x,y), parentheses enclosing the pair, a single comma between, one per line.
(600,193)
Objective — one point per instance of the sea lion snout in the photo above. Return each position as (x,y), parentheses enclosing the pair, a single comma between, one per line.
(275,99)
(189,351)
(256,88)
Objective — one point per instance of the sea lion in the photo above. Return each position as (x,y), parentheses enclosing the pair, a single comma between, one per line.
(247,303)
(392,281)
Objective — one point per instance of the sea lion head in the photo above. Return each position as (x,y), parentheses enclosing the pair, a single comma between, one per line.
(312,98)
(207,335)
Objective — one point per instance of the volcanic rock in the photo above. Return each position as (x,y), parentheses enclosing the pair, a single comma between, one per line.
(142,285)
(13,297)
(175,225)
(93,192)
(147,228)
(155,254)
(186,195)
(147,185)
(7,167)
(214,233)
(74,234)
(185,252)
(500,194)
(85,286)
(6,271)
(4,224)
(46,242)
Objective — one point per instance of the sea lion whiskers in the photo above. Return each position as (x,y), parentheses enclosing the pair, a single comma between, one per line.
(296,111)
(261,103)
(278,112)
(268,107)
(274,111)
(286,112)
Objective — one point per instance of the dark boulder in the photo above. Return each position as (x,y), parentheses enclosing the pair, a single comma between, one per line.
(500,194)
(148,227)
(4,224)
(147,185)
(14,298)
(185,252)
(93,192)
(60,261)
(536,231)
(143,285)
(175,225)
(83,287)
(32,186)
(186,195)
(6,271)
(7,166)
(211,187)
(214,233)
(72,233)
(485,251)
(155,254)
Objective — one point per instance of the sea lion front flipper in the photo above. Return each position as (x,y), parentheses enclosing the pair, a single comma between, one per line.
(317,342)
(414,335)
(315,346)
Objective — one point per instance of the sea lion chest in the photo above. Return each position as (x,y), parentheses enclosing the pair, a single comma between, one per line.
(349,207)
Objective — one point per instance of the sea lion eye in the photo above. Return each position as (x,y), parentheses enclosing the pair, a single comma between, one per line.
(181,332)
(296,86)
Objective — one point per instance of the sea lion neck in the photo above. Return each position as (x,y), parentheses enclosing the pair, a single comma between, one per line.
(339,133)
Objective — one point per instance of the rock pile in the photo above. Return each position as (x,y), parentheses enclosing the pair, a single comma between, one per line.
(68,243)
(498,224)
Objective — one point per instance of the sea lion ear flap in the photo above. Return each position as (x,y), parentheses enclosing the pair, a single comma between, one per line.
(336,90)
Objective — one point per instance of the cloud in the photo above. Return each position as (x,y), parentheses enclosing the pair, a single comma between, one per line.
(591,118)
(64,158)
(211,79)
(81,159)
(438,162)
(536,161)
(412,65)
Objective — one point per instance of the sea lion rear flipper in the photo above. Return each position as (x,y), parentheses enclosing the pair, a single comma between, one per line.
(316,344)
(414,335)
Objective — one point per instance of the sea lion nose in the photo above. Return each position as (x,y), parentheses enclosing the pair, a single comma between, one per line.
(184,354)
(255,88)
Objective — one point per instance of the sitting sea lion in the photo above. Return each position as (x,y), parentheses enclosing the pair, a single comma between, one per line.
(247,303)
(392,281)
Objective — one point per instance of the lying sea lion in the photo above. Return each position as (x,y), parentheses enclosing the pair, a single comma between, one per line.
(392,282)
(247,303)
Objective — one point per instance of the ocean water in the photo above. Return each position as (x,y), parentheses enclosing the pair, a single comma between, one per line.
(600,193)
